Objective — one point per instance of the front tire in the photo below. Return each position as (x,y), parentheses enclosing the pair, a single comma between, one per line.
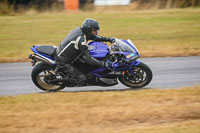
(39,73)
(142,76)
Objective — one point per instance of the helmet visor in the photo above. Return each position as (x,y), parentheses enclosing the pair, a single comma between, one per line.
(94,31)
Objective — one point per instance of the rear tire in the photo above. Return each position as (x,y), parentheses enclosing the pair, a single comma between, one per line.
(39,72)
(142,76)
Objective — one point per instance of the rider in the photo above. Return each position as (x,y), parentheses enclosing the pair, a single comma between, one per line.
(75,45)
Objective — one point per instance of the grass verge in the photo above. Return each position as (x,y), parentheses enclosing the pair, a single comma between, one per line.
(155,32)
(151,110)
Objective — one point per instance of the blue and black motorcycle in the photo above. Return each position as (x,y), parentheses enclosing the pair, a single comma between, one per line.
(125,67)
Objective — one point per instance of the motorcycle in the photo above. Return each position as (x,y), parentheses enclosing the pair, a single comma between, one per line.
(126,67)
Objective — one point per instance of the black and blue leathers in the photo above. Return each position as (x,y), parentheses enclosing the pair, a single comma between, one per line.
(74,46)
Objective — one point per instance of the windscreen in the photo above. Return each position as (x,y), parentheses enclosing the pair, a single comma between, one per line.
(121,46)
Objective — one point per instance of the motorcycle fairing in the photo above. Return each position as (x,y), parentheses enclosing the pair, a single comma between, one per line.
(98,72)
(99,50)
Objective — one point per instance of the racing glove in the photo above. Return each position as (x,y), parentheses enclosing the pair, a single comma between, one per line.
(108,64)
(111,40)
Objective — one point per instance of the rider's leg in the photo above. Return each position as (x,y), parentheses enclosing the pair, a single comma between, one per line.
(74,75)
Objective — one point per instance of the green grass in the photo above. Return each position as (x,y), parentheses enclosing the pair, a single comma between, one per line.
(155,32)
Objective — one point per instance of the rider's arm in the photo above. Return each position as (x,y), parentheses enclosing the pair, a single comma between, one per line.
(103,39)
(83,47)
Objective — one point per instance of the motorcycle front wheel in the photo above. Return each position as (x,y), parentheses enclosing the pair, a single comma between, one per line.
(140,77)
(41,72)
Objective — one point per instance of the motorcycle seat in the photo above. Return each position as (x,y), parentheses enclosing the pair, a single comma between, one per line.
(48,50)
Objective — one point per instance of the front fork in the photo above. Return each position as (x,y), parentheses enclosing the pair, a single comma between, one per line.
(134,63)
(129,67)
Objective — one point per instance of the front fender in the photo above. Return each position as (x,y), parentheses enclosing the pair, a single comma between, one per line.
(135,63)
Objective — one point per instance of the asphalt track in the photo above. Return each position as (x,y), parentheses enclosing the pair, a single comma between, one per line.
(168,72)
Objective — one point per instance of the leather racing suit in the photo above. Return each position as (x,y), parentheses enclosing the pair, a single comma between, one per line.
(75,45)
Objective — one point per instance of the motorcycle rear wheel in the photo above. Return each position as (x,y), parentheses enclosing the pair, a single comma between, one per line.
(142,76)
(39,72)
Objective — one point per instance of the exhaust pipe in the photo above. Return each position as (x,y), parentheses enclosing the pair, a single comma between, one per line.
(38,58)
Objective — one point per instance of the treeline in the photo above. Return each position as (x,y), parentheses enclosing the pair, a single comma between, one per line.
(39,5)
(50,4)
(11,6)
(166,3)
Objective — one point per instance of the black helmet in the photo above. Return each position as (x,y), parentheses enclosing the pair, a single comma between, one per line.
(88,25)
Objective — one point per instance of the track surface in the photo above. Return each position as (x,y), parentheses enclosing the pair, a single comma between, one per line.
(170,72)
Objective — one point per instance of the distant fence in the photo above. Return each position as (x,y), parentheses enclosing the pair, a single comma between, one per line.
(111,2)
